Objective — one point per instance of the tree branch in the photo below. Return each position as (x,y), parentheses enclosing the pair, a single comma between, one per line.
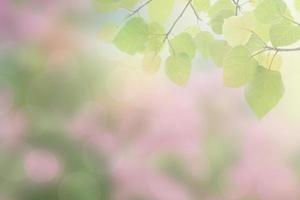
(175,22)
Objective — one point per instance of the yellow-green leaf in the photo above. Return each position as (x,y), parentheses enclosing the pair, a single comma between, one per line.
(254,44)
(201,5)
(220,5)
(265,91)
(160,11)
(237,29)
(239,67)
(183,43)
(261,29)
(178,68)
(218,50)
(216,22)
(203,42)
(155,37)
(151,62)
(133,36)
(267,61)
(193,30)
(270,11)
(284,34)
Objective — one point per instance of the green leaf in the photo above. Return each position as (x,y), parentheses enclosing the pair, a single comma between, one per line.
(254,44)
(220,5)
(265,91)
(239,67)
(183,43)
(155,38)
(270,11)
(216,22)
(261,29)
(193,30)
(160,11)
(178,68)
(218,50)
(237,29)
(284,34)
(133,36)
(201,5)
(203,42)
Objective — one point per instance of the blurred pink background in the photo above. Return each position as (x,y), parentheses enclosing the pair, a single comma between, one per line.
(80,120)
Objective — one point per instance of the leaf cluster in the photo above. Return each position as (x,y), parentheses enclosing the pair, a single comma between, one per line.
(254,35)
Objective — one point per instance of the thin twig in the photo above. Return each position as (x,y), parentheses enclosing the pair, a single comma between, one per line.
(175,22)
(291,20)
(139,8)
(254,33)
(171,47)
(259,52)
(196,13)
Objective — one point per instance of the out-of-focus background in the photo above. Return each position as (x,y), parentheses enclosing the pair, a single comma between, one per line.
(79,120)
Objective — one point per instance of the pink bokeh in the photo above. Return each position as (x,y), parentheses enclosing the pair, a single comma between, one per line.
(41,166)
